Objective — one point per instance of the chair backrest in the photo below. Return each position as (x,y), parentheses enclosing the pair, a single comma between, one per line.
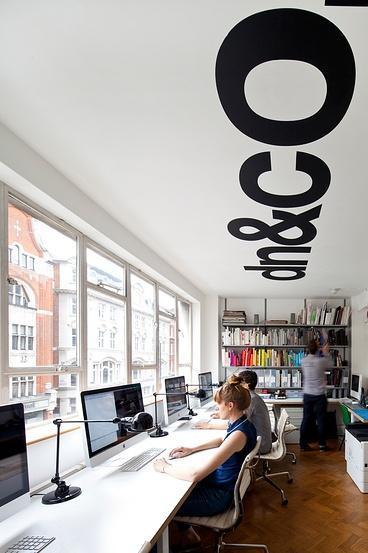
(243,481)
(279,447)
(346,418)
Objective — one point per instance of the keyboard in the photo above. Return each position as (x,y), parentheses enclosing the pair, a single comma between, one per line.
(139,461)
(30,544)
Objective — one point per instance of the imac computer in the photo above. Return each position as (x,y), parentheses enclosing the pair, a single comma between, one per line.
(14,483)
(175,404)
(205,383)
(104,440)
(356,386)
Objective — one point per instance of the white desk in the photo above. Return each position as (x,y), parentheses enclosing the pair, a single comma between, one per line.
(116,511)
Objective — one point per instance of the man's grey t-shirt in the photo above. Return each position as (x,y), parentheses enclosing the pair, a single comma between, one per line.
(257,413)
(314,377)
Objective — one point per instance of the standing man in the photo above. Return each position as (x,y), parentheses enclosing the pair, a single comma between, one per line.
(314,395)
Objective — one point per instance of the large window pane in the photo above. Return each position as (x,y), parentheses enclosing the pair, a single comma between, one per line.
(143,322)
(104,272)
(184,334)
(106,340)
(42,289)
(167,347)
(45,396)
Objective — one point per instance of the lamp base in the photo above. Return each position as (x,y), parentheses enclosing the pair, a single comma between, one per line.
(53,497)
(158,433)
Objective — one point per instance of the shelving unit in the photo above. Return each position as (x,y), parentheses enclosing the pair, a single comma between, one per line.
(253,341)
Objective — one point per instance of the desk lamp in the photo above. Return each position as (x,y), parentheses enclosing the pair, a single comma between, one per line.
(139,423)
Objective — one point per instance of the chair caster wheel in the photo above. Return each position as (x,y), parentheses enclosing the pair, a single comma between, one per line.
(290,480)
(284,501)
(294,461)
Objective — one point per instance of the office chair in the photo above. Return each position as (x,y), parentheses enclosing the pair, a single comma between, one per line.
(289,427)
(227,521)
(277,453)
(346,419)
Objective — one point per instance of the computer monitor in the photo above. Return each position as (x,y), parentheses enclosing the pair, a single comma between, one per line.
(104,440)
(175,406)
(205,383)
(356,386)
(14,483)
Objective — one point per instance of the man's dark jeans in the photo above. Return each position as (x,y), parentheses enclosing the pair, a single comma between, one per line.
(314,407)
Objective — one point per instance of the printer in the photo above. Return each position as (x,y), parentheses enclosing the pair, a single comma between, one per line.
(356,454)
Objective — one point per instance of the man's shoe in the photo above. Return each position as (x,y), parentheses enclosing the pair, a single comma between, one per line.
(306,448)
(324,448)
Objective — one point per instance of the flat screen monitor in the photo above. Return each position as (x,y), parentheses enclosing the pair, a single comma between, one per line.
(356,386)
(205,383)
(14,483)
(105,439)
(175,404)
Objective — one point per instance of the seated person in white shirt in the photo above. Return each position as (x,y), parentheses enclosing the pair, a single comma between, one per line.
(257,413)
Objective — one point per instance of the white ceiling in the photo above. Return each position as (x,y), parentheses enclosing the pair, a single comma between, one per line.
(121,97)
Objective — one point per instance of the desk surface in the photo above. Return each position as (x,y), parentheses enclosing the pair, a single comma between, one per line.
(357,411)
(297,401)
(116,510)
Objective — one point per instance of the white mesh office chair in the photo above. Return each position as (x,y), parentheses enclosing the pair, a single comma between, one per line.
(277,453)
(289,427)
(226,522)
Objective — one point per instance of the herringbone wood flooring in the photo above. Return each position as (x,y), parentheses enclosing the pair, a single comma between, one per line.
(326,512)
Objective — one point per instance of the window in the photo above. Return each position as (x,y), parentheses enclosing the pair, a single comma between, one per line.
(18,295)
(101,310)
(14,256)
(106,302)
(101,338)
(105,273)
(166,303)
(15,337)
(39,301)
(143,315)
(167,347)
(45,307)
(184,339)
(24,258)
(22,386)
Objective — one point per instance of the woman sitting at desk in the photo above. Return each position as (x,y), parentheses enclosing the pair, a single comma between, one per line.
(216,477)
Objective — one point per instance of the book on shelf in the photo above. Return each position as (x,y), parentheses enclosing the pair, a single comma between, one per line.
(234,317)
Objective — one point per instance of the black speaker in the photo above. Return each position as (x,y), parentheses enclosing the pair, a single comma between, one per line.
(142,421)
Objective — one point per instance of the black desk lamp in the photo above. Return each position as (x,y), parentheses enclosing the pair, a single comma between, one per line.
(139,423)
(158,432)
(200,394)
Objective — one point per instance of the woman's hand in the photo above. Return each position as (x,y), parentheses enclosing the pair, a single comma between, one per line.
(215,415)
(160,465)
(180,452)
(201,424)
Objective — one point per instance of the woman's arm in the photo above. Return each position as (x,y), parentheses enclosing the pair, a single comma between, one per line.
(217,424)
(235,442)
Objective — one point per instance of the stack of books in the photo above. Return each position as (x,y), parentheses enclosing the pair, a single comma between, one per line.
(234,317)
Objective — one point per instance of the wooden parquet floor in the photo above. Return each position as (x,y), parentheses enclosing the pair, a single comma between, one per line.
(326,512)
